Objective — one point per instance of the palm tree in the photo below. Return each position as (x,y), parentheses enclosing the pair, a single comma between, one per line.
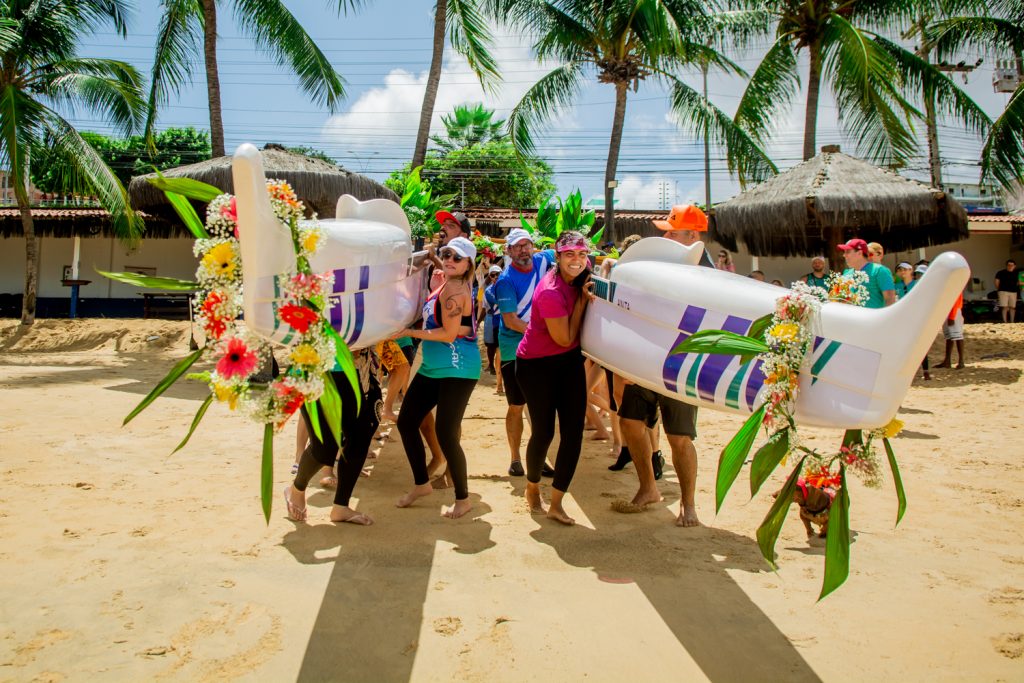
(467,126)
(274,29)
(625,42)
(1000,34)
(41,72)
(872,78)
(465,22)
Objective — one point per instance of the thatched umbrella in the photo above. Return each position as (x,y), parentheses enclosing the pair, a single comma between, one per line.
(831,198)
(318,183)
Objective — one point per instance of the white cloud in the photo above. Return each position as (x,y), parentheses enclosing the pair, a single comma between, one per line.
(383,120)
(633,192)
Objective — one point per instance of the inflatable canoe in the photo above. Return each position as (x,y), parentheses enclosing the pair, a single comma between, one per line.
(379,285)
(860,368)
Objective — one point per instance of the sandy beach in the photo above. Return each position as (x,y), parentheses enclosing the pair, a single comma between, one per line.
(122,562)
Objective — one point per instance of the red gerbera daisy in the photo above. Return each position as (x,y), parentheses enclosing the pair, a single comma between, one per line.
(215,327)
(299,317)
(238,360)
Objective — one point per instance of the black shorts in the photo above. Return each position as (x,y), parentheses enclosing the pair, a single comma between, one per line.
(678,418)
(409,352)
(513,394)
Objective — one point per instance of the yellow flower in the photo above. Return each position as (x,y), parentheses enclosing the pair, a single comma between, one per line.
(786,332)
(226,393)
(311,241)
(220,261)
(893,428)
(304,354)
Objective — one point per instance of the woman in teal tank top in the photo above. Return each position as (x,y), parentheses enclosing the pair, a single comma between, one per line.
(446,377)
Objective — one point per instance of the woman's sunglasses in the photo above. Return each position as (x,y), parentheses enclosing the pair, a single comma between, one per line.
(450,254)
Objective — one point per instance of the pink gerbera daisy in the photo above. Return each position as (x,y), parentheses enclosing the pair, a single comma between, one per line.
(238,360)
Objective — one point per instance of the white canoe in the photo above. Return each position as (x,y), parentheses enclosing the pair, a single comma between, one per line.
(859,371)
(377,288)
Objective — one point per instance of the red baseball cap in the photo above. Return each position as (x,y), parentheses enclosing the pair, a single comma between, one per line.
(858,244)
(684,217)
(457,217)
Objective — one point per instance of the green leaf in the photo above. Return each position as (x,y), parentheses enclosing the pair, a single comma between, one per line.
(267,470)
(768,532)
(166,283)
(177,371)
(314,420)
(195,423)
(720,342)
(837,544)
(347,363)
(897,480)
(526,226)
(767,459)
(759,327)
(330,403)
(734,454)
(853,437)
(186,187)
(188,215)
(595,239)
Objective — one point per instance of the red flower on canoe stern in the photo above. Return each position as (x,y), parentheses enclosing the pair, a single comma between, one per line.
(299,317)
(238,360)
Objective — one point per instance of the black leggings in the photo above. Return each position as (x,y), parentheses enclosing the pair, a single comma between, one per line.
(554,385)
(451,396)
(357,434)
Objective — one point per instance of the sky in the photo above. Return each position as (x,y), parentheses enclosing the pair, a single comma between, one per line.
(383,53)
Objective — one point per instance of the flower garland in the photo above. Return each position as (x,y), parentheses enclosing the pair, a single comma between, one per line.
(485,246)
(848,287)
(238,352)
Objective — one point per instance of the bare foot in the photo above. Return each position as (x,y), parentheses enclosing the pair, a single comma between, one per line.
(329,482)
(556,513)
(441,483)
(460,508)
(644,498)
(340,514)
(687,517)
(390,416)
(295,504)
(435,466)
(416,493)
(943,364)
(927,376)
(960,366)
(600,436)
(534,500)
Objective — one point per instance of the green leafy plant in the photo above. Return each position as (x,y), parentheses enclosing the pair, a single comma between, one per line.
(569,215)
(420,204)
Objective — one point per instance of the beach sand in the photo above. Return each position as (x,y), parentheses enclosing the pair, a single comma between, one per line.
(123,562)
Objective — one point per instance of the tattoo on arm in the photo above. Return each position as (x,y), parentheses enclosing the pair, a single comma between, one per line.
(452,309)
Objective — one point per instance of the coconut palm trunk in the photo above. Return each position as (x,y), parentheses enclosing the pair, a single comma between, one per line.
(433,81)
(28,302)
(212,77)
(813,93)
(613,160)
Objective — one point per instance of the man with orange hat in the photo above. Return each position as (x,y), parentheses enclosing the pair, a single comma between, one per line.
(639,409)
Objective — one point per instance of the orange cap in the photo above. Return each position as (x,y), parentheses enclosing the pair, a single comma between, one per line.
(684,217)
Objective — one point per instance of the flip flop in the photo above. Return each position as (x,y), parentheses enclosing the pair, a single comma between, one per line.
(294,513)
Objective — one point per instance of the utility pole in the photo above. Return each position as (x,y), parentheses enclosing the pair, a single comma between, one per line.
(707,147)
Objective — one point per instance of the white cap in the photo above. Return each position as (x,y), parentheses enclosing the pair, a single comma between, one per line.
(903,265)
(921,269)
(494,269)
(517,235)
(463,247)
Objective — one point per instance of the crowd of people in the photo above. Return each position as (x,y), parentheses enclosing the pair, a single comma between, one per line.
(531,304)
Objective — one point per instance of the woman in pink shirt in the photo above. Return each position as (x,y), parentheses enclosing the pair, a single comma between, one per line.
(549,369)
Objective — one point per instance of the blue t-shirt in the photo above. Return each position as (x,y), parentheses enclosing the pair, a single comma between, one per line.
(514,294)
(879,281)
(491,299)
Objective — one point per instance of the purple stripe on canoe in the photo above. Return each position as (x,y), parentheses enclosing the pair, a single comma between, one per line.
(336,315)
(357,329)
(688,324)
(754,384)
(817,343)
(339,280)
(364,277)
(714,366)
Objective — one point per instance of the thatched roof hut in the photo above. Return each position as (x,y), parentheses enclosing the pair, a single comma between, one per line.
(831,198)
(83,221)
(318,183)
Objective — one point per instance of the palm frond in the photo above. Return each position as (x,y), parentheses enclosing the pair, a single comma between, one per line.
(21,126)
(106,86)
(770,90)
(988,35)
(1002,157)
(739,28)
(95,12)
(562,36)
(112,195)
(9,35)
(558,89)
(277,32)
(921,76)
(746,158)
(471,37)
(178,39)
(866,83)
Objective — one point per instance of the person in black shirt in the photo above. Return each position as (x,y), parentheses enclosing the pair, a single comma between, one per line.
(1007,286)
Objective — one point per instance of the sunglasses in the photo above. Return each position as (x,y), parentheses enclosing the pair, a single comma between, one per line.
(450,254)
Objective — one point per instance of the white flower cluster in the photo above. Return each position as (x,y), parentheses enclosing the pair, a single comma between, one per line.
(848,287)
